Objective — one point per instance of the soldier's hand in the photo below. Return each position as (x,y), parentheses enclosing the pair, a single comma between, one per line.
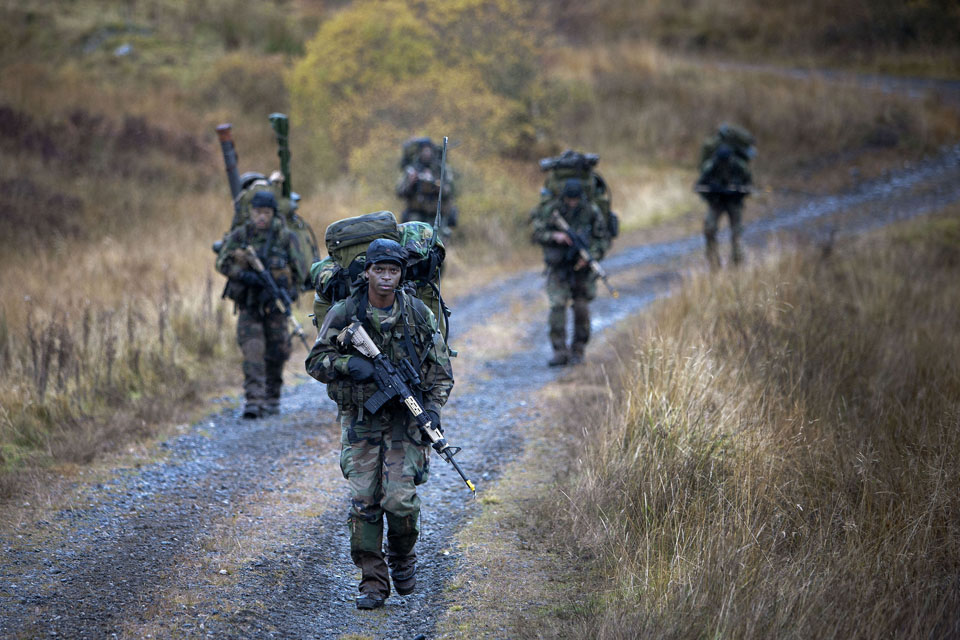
(434,416)
(561,238)
(250,278)
(360,368)
(581,263)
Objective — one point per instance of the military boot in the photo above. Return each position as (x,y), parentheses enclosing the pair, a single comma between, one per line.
(374,581)
(251,411)
(271,407)
(559,359)
(576,354)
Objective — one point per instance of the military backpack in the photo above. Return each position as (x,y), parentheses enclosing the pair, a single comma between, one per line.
(338,275)
(573,164)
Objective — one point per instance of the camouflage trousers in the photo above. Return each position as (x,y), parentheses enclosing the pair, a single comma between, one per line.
(576,288)
(733,207)
(265,344)
(383,461)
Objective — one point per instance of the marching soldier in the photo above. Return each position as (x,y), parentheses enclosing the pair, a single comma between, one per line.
(382,455)
(262,325)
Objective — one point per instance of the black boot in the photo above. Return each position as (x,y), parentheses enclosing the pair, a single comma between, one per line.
(559,359)
(374,583)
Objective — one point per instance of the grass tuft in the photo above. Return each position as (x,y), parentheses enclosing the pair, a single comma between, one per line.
(776,455)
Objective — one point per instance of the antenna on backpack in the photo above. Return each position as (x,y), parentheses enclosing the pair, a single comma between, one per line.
(443,168)
(433,243)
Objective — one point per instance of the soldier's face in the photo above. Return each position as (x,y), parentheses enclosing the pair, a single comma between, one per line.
(261,217)
(571,203)
(426,155)
(384,277)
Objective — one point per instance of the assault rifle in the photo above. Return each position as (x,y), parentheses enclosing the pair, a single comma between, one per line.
(280,296)
(392,383)
(583,250)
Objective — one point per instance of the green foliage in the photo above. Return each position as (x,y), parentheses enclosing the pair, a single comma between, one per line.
(403,66)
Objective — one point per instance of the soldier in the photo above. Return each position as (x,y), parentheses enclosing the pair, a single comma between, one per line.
(262,326)
(724,183)
(382,455)
(420,185)
(569,278)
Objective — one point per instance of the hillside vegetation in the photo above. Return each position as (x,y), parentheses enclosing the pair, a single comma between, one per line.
(113,188)
(776,453)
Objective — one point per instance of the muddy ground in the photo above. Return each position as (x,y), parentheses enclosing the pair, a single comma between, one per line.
(235,529)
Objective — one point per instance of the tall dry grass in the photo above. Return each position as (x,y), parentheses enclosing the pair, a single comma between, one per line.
(112,187)
(778,454)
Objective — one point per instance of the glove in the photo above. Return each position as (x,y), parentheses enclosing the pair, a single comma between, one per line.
(434,416)
(250,278)
(360,368)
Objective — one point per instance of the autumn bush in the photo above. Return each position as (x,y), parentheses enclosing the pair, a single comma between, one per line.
(402,66)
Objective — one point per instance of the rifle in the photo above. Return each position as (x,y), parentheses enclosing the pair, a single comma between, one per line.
(281,127)
(392,383)
(280,296)
(583,250)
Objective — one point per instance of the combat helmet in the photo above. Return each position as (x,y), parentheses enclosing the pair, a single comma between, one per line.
(386,250)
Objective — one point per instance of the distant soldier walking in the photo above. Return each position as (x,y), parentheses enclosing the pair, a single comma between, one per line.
(724,183)
(382,455)
(261,326)
(570,280)
(420,185)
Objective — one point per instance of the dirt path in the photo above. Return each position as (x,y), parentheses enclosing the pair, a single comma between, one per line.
(239,530)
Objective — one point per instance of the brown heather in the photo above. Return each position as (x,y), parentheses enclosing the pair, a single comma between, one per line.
(777,453)
(112,187)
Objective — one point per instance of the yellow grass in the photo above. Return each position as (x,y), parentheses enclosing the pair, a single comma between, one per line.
(777,456)
(113,186)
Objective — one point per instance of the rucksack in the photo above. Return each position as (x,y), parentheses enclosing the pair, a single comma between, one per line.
(337,276)
(573,164)
(347,240)
(740,141)
(293,221)
(424,267)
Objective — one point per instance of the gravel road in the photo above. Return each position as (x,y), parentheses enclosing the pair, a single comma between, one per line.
(237,528)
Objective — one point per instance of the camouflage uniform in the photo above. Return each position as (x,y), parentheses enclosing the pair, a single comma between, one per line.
(261,326)
(724,183)
(564,283)
(382,455)
(419,187)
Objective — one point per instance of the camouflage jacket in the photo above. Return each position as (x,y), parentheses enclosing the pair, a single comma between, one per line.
(420,185)
(327,361)
(284,260)
(586,219)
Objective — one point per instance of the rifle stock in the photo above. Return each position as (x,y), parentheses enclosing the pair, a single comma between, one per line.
(280,296)
(583,250)
(390,384)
